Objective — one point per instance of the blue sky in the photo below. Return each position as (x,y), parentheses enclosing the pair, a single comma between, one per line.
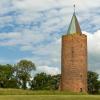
(32,29)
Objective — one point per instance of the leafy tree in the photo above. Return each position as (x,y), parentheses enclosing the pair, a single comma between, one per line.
(12,83)
(43,81)
(55,81)
(23,72)
(93,82)
(6,74)
(40,81)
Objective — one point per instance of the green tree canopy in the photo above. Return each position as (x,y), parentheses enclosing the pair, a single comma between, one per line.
(6,74)
(93,82)
(23,71)
(43,81)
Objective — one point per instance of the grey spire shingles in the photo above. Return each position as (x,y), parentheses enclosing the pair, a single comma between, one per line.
(74,27)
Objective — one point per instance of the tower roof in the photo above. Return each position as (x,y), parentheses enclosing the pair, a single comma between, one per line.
(74,27)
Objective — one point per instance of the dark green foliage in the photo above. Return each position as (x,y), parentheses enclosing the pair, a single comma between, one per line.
(93,82)
(12,83)
(7,77)
(43,81)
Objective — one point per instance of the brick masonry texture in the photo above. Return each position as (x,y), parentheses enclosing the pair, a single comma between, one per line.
(74,63)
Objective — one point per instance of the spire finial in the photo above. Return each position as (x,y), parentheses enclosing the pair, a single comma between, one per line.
(74,8)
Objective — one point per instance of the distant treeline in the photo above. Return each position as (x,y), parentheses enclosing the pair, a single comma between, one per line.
(20,76)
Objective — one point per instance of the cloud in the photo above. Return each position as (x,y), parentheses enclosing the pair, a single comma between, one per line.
(45,4)
(9,35)
(24,38)
(93,42)
(93,51)
(48,70)
(37,5)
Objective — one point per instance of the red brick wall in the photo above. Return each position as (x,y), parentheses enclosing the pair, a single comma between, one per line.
(74,63)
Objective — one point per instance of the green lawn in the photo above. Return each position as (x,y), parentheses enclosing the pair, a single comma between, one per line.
(49,97)
(19,94)
(31,92)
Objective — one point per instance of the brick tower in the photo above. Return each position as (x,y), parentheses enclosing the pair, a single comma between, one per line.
(74,59)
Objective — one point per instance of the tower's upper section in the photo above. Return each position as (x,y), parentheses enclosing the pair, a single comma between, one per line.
(74,27)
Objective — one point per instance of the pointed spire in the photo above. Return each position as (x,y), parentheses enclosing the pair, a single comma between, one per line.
(74,27)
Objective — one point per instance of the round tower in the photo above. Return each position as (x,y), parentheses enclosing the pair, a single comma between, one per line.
(74,59)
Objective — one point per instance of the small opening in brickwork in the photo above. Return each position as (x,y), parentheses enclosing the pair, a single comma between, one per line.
(81,89)
(72,51)
(81,75)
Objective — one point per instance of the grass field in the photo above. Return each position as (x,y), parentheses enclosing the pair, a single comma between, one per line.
(31,92)
(49,97)
(17,94)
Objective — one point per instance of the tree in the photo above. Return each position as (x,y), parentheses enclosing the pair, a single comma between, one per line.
(6,74)
(23,72)
(42,81)
(93,82)
(55,81)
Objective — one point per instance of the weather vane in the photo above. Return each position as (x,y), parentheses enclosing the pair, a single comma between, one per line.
(74,7)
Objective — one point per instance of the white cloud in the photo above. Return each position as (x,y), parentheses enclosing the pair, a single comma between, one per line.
(27,48)
(94,51)
(24,38)
(11,35)
(36,4)
(46,4)
(48,70)
(94,42)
